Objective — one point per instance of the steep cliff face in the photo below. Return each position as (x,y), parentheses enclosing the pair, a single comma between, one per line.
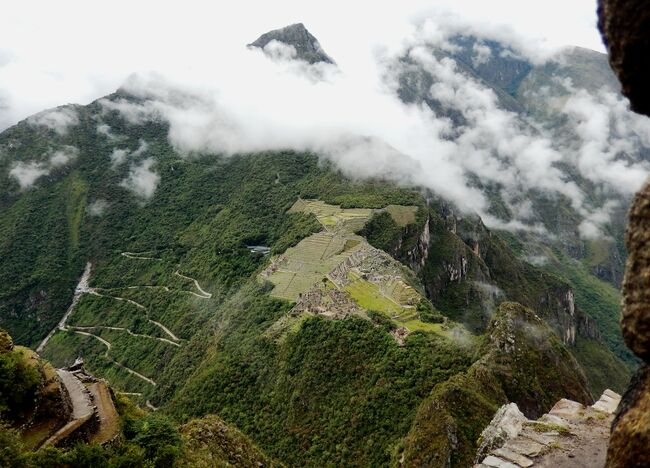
(467,271)
(625,26)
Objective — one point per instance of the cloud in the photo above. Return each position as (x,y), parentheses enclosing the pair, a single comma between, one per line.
(608,135)
(142,180)
(119,156)
(27,173)
(277,50)
(354,118)
(105,130)
(592,226)
(98,207)
(482,54)
(45,69)
(63,156)
(537,260)
(60,120)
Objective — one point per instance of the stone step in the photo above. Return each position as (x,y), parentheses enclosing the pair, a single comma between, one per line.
(525,446)
(608,402)
(496,462)
(567,409)
(514,457)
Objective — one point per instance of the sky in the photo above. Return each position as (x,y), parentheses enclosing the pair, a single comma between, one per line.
(75,51)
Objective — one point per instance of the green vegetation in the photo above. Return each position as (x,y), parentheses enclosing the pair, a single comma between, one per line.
(538,426)
(522,361)
(19,380)
(333,392)
(305,389)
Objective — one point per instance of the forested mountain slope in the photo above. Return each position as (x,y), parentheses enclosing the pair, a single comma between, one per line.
(319,314)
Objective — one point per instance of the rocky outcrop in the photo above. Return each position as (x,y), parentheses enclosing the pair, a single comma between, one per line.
(635,320)
(211,442)
(570,435)
(630,440)
(417,255)
(523,361)
(307,48)
(625,25)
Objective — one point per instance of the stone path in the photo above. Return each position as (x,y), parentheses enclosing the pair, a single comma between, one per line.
(109,420)
(82,407)
(571,435)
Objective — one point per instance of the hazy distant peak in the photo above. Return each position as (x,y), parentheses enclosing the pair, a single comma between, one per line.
(297,36)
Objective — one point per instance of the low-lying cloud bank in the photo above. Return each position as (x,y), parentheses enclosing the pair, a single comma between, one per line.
(353,117)
(142,179)
(27,173)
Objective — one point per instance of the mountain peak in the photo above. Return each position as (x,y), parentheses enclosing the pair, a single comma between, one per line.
(296,35)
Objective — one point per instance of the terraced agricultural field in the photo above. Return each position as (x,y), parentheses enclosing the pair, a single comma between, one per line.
(334,217)
(403,215)
(309,262)
(304,265)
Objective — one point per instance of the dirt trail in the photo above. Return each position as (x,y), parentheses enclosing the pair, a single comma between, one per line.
(150,406)
(106,343)
(137,256)
(96,292)
(164,340)
(167,289)
(132,372)
(108,348)
(166,330)
(205,294)
(82,287)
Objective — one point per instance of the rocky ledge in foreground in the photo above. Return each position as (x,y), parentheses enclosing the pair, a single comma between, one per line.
(570,435)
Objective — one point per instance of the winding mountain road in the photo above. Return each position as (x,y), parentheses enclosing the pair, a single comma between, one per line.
(169,333)
(164,340)
(205,294)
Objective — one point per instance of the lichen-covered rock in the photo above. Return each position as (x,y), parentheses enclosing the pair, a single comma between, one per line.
(625,25)
(635,320)
(629,445)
